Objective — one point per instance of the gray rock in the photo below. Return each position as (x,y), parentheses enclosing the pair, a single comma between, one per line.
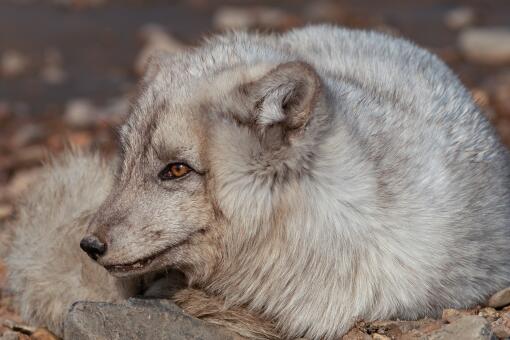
(500,299)
(137,319)
(486,45)
(470,327)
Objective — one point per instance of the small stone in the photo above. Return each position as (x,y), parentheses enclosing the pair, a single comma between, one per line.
(500,299)
(80,113)
(13,63)
(227,18)
(377,336)
(155,39)
(470,327)
(356,334)
(460,17)
(489,313)
(450,315)
(486,45)
(501,327)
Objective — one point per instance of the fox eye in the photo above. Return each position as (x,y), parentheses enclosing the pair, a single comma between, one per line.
(174,171)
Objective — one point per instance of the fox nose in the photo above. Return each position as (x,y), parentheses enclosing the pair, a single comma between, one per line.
(93,246)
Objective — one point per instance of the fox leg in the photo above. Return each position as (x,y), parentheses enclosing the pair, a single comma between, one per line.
(213,310)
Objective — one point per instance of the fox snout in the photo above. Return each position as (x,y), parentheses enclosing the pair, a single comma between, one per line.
(93,246)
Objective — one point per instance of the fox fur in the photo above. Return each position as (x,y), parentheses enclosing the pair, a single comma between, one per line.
(335,175)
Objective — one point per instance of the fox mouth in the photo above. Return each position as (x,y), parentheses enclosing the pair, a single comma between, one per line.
(139,266)
(136,265)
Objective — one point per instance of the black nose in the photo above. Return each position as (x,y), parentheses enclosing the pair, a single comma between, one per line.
(93,246)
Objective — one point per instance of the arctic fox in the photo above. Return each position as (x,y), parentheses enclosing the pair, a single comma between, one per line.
(301,182)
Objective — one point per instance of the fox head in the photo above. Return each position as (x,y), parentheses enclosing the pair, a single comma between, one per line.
(206,159)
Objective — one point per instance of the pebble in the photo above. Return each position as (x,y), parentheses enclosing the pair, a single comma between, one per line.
(489,313)
(452,315)
(356,334)
(501,327)
(155,38)
(489,45)
(460,17)
(227,18)
(13,63)
(500,299)
(80,113)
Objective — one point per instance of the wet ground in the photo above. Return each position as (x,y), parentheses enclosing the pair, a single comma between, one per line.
(66,66)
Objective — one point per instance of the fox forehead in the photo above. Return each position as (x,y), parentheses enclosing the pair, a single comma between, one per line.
(172,121)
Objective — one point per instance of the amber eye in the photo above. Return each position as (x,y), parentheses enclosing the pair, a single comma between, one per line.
(174,171)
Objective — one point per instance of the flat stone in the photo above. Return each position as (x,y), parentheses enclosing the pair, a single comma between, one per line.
(470,327)
(500,299)
(137,319)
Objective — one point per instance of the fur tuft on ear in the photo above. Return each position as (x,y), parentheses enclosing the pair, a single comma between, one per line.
(285,96)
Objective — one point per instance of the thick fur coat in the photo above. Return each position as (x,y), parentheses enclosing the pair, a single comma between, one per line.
(331,175)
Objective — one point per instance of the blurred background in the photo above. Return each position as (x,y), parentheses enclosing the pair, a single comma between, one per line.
(68,67)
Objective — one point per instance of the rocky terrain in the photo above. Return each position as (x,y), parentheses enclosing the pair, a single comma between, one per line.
(68,68)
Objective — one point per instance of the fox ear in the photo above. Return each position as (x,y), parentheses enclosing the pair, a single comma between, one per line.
(285,96)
